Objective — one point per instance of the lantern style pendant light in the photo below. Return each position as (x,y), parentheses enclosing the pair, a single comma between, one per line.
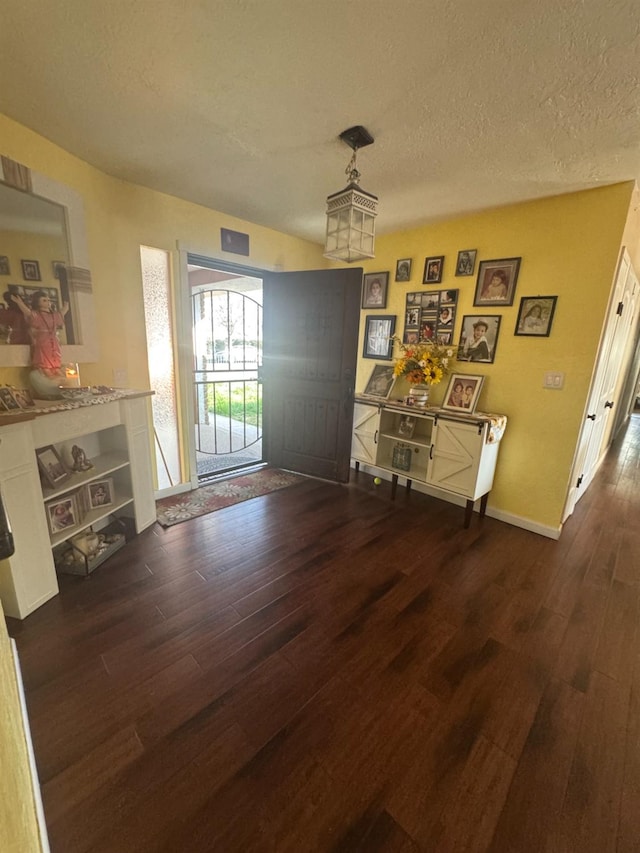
(351,213)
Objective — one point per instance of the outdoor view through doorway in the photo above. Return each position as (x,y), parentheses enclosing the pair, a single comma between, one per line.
(226,311)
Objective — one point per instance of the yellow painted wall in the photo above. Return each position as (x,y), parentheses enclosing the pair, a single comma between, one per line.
(569,247)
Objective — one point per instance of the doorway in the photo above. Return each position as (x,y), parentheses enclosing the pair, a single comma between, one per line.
(226,325)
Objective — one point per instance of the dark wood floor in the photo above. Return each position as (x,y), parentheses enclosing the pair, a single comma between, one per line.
(319,669)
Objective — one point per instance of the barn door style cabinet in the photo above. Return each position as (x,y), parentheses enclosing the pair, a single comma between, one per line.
(449,451)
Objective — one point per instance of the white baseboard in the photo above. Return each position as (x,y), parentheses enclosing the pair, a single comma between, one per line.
(500,515)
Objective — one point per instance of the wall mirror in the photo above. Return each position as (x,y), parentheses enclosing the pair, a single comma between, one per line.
(43,246)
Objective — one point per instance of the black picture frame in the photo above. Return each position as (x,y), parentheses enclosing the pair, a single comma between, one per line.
(234,241)
(538,324)
(375,286)
(31,271)
(380,382)
(53,470)
(466,262)
(472,348)
(433,268)
(378,331)
(5,266)
(403,269)
(501,292)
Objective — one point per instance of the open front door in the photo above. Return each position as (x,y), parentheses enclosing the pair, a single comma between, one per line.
(311,324)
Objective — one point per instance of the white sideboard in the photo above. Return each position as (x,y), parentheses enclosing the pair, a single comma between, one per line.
(454,453)
(115,435)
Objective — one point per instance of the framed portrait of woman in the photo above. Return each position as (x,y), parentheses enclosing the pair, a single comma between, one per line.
(374,290)
(535,316)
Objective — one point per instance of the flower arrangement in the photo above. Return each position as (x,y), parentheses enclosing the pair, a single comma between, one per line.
(424,363)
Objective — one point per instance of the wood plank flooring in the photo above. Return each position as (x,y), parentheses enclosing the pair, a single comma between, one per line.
(320,669)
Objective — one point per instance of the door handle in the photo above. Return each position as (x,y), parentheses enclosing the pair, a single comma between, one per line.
(609,404)
(591,417)
(375,437)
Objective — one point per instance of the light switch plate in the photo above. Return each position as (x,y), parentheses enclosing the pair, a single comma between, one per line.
(553,381)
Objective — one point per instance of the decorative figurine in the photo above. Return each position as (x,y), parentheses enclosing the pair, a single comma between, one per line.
(80,461)
(46,355)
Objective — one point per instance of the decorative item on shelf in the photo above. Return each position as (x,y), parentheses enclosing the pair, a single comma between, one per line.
(423,364)
(70,376)
(80,461)
(401,457)
(351,212)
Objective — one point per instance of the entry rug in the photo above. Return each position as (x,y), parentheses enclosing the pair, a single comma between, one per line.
(207,499)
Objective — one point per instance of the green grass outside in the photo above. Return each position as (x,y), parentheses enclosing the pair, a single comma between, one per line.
(241,402)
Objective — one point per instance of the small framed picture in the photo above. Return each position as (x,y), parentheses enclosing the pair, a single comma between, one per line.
(5,268)
(234,241)
(377,337)
(62,514)
(52,468)
(535,316)
(496,282)
(374,290)
(462,392)
(99,493)
(479,337)
(380,382)
(23,398)
(406,426)
(8,400)
(433,270)
(57,266)
(403,269)
(30,270)
(466,262)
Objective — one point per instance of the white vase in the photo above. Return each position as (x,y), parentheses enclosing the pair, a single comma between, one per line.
(420,395)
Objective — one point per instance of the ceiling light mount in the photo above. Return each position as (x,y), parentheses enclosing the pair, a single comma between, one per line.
(351,212)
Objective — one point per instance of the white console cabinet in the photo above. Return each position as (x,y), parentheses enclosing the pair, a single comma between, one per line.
(115,436)
(453,453)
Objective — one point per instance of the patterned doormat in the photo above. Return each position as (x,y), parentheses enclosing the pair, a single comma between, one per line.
(207,499)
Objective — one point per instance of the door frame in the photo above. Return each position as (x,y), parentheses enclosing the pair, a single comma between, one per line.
(184,338)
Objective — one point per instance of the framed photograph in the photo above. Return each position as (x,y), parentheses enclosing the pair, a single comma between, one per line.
(479,337)
(466,262)
(23,398)
(57,266)
(234,241)
(27,291)
(62,514)
(8,401)
(401,458)
(5,268)
(99,493)
(30,270)
(433,270)
(377,336)
(462,392)
(374,290)
(403,269)
(535,316)
(406,426)
(496,282)
(380,382)
(52,468)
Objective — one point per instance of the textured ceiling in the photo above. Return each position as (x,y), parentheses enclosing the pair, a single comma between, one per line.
(237,104)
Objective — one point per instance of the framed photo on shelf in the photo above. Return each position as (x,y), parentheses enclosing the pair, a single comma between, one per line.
(99,493)
(462,393)
(8,400)
(62,513)
(403,269)
(377,336)
(53,470)
(30,270)
(406,426)
(496,282)
(535,316)
(380,382)
(374,290)
(466,262)
(401,458)
(23,398)
(479,337)
(433,270)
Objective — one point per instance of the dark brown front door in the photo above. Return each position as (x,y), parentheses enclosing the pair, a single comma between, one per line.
(311,324)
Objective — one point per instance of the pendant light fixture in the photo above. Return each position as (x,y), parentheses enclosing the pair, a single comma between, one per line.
(351,212)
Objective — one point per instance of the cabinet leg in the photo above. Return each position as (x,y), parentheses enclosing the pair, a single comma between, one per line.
(394,486)
(468,512)
(357,466)
(408,485)
(483,504)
